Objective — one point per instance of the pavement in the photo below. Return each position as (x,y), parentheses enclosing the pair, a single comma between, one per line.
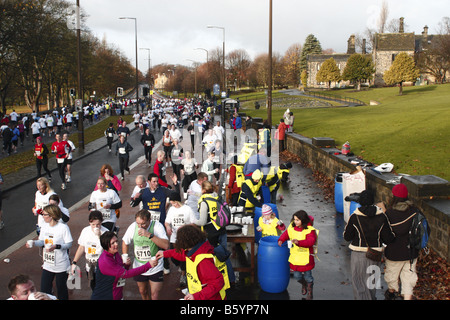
(332,275)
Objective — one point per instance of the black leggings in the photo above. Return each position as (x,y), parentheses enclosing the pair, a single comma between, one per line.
(148,153)
(123,164)
(42,163)
(62,170)
(61,284)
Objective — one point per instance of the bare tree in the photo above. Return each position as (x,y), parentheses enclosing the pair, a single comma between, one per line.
(382,19)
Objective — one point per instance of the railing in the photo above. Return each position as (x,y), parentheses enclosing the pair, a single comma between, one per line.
(333,97)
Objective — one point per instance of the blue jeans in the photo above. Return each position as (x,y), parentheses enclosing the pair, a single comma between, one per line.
(223,244)
(307,275)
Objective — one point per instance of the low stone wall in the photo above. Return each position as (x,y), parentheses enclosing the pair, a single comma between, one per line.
(429,193)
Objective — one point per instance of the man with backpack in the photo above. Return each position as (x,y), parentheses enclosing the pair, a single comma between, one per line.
(401,254)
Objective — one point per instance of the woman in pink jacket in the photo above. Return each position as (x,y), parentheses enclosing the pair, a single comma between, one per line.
(112,271)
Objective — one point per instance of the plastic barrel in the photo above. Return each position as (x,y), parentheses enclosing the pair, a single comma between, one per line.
(273,265)
(353,206)
(258,213)
(338,193)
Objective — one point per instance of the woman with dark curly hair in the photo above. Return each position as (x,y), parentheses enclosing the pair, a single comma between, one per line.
(106,171)
(205,281)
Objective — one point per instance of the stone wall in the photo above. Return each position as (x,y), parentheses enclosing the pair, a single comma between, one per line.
(383,61)
(429,193)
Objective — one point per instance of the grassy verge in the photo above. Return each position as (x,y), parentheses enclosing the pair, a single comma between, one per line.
(17,161)
(410,131)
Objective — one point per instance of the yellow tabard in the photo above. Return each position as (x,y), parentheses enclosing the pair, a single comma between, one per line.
(268,229)
(194,283)
(299,256)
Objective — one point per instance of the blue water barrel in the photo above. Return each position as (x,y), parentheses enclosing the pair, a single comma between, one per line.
(273,265)
(338,193)
(258,213)
(353,206)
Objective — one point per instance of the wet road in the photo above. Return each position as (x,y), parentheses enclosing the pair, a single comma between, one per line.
(17,203)
(331,275)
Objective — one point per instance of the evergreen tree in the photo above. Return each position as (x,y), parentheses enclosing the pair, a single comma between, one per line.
(359,67)
(311,46)
(329,72)
(403,69)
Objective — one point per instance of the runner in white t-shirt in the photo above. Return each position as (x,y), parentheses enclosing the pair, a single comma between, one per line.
(56,239)
(89,245)
(106,201)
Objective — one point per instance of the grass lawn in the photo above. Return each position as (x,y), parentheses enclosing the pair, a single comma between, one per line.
(17,161)
(411,131)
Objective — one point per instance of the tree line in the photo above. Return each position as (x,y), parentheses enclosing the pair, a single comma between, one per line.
(38,57)
(38,63)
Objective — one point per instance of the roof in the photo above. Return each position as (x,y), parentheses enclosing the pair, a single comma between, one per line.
(395,41)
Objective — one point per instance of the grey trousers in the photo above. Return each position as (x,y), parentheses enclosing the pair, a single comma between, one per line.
(366,276)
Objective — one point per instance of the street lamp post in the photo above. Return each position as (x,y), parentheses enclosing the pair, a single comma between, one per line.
(149,74)
(269,92)
(223,56)
(195,74)
(207,66)
(137,78)
(80,85)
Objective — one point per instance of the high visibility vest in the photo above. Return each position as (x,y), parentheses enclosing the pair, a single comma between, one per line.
(281,171)
(299,256)
(194,284)
(240,178)
(247,150)
(268,229)
(262,138)
(272,174)
(254,189)
(212,208)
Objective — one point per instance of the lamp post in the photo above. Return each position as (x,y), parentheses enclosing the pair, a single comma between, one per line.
(223,56)
(80,85)
(137,79)
(195,74)
(207,66)
(149,75)
(269,92)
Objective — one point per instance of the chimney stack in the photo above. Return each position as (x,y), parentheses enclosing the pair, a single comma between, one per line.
(351,45)
(401,28)
(425,33)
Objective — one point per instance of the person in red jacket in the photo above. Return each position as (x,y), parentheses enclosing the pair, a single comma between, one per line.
(205,281)
(236,178)
(41,152)
(61,149)
(303,237)
(160,170)
(282,134)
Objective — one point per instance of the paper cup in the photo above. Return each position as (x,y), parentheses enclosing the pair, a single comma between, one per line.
(30,243)
(31,296)
(125,257)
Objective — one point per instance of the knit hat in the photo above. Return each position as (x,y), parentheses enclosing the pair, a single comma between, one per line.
(266,210)
(256,175)
(174,196)
(366,198)
(400,191)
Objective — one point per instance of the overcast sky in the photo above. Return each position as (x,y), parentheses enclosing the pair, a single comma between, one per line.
(172,29)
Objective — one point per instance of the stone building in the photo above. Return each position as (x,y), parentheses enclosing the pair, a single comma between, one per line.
(314,62)
(386,47)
